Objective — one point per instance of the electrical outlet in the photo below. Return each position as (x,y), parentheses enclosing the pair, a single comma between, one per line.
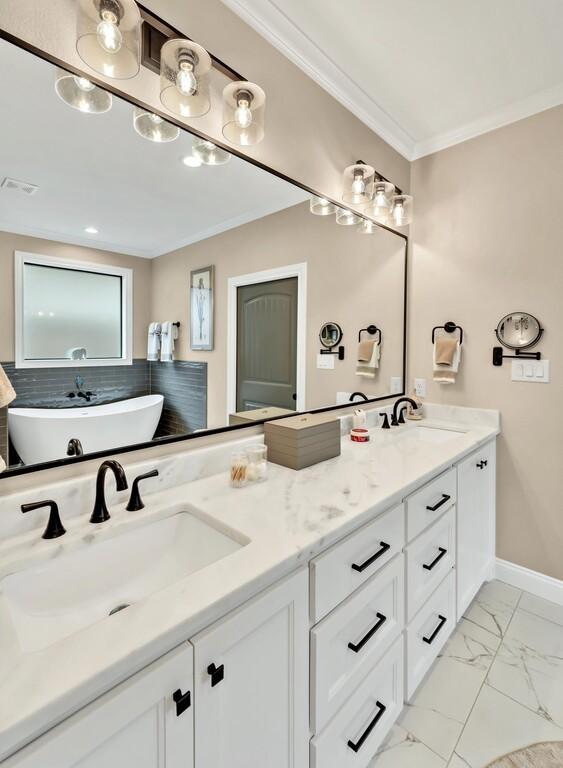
(325,362)
(396,385)
(420,387)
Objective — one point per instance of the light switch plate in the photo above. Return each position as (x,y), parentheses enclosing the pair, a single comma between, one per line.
(396,385)
(420,387)
(325,362)
(532,371)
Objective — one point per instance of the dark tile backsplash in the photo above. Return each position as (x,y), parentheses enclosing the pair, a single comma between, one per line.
(183,384)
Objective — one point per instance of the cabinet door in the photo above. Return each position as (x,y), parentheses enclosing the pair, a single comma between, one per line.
(135,725)
(476,488)
(251,683)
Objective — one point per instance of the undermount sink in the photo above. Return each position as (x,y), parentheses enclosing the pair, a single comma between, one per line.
(432,434)
(53,599)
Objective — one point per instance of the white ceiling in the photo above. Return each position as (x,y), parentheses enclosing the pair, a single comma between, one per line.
(94,170)
(423,74)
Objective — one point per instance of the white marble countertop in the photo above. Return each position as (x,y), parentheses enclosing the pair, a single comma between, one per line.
(288,519)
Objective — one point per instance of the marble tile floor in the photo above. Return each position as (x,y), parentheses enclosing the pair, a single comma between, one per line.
(496,687)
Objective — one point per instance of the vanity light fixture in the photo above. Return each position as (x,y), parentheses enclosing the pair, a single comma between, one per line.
(401,210)
(153,127)
(367,227)
(357,183)
(320,206)
(346,218)
(79,93)
(184,78)
(108,37)
(244,105)
(208,153)
(380,206)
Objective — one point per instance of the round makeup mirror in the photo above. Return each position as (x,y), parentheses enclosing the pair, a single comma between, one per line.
(518,330)
(330,335)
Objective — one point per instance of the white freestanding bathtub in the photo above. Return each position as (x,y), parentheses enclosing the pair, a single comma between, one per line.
(42,434)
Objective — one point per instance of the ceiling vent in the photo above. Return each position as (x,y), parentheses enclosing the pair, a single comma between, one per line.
(18,186)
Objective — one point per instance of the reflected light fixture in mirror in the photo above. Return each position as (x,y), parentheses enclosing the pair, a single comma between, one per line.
(108,36)
(346,218)
(380,207)
(367,227)
(208,153)
(401,210)
(357,183)
(320,206)
(191,161)
(184,78)
(153,127)
(79,93)
(244,105)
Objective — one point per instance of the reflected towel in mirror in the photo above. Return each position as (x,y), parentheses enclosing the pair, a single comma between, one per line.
(168,336)
(7,392)
(153,341)
(367,366)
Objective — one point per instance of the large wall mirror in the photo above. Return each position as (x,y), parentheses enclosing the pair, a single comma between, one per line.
(154,286)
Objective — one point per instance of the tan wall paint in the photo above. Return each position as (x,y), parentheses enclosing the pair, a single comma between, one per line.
(353,280)
(141,284)
(487,240)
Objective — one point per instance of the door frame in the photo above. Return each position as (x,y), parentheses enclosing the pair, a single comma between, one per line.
(265,276)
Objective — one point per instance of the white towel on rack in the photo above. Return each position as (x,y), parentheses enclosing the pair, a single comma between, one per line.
(168,336)
(446,374)
(153,341)
(369,367)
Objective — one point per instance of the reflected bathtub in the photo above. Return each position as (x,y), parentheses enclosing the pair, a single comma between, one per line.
(42,434)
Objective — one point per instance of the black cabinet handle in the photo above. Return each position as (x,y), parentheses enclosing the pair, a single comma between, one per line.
(482,464)
(366,564)
(429,566)
(445,497)
(434,634)
(356,746)
(183,701)
(381,619)
(216,673)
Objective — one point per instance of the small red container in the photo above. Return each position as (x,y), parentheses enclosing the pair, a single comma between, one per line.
(359,435)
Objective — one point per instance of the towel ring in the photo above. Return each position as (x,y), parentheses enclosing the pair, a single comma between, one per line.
(449,327)
(371,329)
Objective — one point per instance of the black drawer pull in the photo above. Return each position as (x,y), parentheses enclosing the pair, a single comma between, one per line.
(216,673)
(366,564)
(434,634)
(482,464)
(445,497)
(356,746)
(183,701)
(429,566)
(381,619)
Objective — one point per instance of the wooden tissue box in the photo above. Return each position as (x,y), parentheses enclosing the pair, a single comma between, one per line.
(303,440)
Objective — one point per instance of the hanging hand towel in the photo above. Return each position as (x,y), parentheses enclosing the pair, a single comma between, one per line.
(444,350)
(153,341)
(368,359)
(7,392)
(168,336)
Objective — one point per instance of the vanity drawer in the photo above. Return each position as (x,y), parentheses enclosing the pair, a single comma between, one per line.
(343,568)
(370,621)
(428,503)
(429,558)
(427,634)
(354,735)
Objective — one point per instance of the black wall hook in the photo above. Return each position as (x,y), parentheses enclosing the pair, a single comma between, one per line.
(449,327)
(372,330)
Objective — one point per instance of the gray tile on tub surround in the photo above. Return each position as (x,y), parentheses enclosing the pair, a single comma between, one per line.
(4,434)
(184,386)
(438,711)
(494,606)
(529,665)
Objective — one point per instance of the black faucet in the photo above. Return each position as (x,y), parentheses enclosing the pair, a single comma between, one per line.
(394,420)
(135,502)
(358,394)
(54,527)
(74,447)
(100,512)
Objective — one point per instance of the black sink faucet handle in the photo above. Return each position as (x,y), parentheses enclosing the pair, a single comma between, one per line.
(385,424)
(54,528)
(135,501)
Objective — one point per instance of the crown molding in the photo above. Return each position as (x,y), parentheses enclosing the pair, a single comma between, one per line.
(270,22)
(511,113)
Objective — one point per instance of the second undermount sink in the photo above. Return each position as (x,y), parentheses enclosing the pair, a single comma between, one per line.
(54,599)
(431,434)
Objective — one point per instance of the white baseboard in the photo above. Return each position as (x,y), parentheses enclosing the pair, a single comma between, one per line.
(530,581)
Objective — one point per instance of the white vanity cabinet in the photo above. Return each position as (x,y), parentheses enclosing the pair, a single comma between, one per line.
(135,725)
(475,523)
(251,683)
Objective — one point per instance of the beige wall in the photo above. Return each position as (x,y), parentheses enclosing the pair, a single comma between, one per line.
(141,284)
(487,240)
(353,280)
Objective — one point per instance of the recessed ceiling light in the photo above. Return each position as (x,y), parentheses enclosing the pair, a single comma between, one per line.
(91,230)
(191,161)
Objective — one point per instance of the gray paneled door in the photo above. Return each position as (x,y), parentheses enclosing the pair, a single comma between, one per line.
(267,344)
